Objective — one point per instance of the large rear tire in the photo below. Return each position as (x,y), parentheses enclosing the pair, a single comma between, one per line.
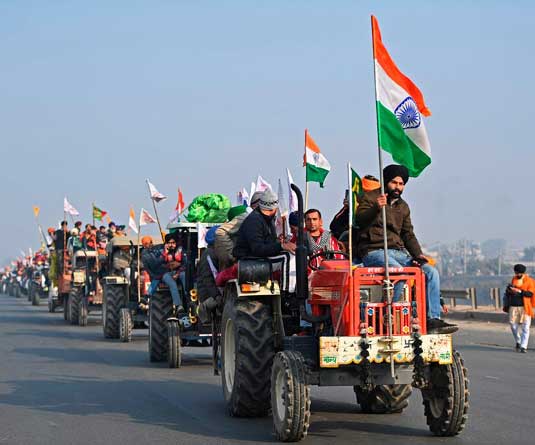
(112,302)
(290,397)
(247,355)
(75,301)
(66,308)
(174,344)
(383,399)
(446,402)
(160,309)
(125,325)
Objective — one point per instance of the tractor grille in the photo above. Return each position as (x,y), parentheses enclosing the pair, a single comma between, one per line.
(375,317)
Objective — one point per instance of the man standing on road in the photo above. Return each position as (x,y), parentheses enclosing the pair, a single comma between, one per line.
(519,303)
(403,247)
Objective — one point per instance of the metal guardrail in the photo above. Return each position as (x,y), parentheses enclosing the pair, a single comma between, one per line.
(463,294)
(495,296)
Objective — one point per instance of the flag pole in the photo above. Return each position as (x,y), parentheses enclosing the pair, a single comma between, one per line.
(93,212)
(305,162)
(155,211)
(138,261)
(387,284)
(350,249)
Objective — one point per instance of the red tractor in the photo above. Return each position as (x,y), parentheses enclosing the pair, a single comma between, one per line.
(358,337)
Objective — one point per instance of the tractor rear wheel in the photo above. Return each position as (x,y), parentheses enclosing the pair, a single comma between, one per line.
(66,308)
(247,355)
(446,402)
(290,397)
(75,301)
(383,399)
(160,309)
(112,301)
(174,344)
(125,325)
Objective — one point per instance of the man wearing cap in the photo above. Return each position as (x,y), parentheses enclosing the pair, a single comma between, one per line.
(403,247)
(519,301)
(257,236)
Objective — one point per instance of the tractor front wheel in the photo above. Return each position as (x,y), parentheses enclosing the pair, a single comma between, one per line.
(290,397)
(125,325)
(446,401)
(174,353)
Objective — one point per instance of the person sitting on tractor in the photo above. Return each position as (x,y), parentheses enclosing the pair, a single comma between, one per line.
(317,238)
(112,229)
(209,295)
(163,264)
(102,240)
(403,247)
(74,242)
(257,236)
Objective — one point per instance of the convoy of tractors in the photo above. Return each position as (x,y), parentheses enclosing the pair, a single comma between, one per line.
(268,361)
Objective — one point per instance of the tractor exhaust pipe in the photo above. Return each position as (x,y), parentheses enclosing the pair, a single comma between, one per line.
(301,250)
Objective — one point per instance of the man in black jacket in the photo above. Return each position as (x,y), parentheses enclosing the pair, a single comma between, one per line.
(257,236)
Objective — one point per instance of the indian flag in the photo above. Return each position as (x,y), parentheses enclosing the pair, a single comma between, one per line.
(400,110)
(317,166)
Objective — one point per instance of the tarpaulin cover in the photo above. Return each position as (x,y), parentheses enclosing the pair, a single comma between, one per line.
(209,208)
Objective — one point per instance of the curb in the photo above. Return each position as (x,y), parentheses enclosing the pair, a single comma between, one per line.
(493,317)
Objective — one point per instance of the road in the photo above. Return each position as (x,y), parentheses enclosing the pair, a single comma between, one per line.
(62,384)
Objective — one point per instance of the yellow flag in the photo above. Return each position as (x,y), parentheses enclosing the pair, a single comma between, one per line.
(36,211)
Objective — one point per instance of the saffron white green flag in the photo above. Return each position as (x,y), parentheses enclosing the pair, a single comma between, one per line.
(317,166)
(400,110)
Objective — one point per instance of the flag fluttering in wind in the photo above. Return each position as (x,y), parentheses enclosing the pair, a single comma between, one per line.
(262,185)
(132,221)
(108,219)
(253,189)
(282,225)
(36,211)
(400,110)
(98,214)
(179,208)
(317,166)
(154,193)
(356,189)
(145,218)
(292,200)
(202,230)
(69,208)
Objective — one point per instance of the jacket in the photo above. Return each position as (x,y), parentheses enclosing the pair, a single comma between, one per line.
(527,285)
(369,220)
(257,237)
(154,262)
(225,240)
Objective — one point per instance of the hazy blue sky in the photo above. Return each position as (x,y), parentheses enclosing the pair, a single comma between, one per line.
(96,96)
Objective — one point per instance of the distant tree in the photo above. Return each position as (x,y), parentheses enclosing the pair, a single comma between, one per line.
(529,253)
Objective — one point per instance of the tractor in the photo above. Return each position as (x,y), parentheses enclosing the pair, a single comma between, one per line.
(86,292)
(125,301)
(357,337)
(60,276)
(167,334)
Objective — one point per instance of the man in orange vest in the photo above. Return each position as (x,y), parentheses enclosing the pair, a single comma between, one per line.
(519,302)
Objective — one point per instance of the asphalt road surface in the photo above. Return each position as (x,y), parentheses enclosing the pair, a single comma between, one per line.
(62,384)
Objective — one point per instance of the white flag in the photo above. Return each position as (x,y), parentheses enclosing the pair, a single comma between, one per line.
(243,197)
(282,201)
(145,218)
(68,208)
(253,190)
(292,207)
(154,193)
(262,184)
(281,220)
(132,220)
(201,236)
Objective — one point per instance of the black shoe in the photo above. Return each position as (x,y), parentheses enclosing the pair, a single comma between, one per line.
(517,347)
(523,350)
(179,311)
(438,326)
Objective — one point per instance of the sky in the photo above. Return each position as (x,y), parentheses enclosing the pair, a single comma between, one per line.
(97,96)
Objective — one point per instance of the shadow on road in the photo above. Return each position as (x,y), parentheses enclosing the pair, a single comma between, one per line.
(187,407)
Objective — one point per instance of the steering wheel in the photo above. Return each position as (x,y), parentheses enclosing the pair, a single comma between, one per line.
(327,255)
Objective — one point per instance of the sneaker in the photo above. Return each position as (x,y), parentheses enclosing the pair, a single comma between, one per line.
(517,347)
(438,326)
(523,350)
